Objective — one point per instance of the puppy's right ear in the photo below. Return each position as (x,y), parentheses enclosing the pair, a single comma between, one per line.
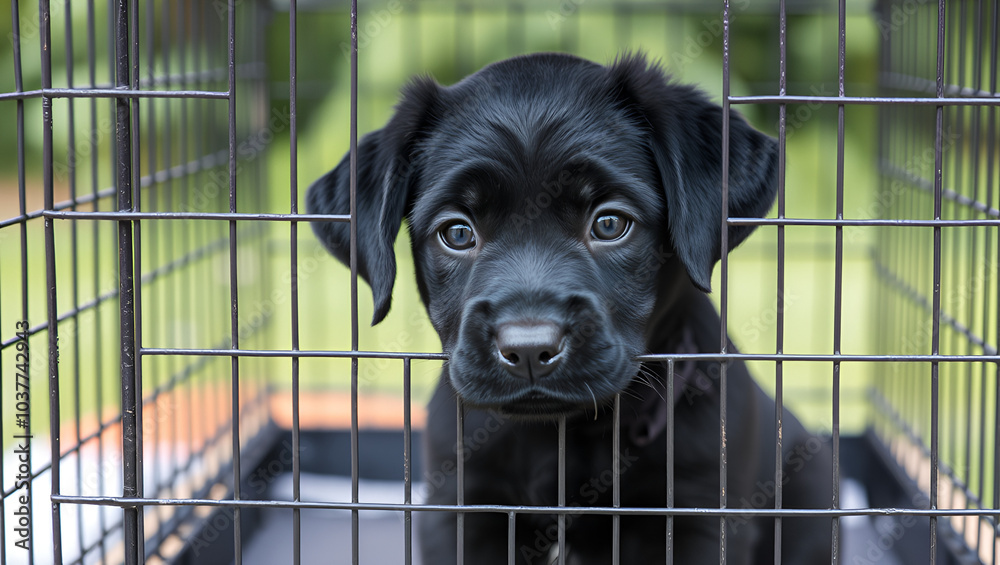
(384,178)
(685,134)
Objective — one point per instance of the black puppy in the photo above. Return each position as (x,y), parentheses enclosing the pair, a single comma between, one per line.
(565,219)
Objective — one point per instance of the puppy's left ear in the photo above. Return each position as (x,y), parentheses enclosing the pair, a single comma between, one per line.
(385,174)
(686,144)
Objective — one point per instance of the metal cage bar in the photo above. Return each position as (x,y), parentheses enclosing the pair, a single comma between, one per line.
(188,432)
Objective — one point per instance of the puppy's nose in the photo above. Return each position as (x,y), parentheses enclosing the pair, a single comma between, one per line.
(530,350)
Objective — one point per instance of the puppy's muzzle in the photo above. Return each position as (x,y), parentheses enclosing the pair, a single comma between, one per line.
(530,350)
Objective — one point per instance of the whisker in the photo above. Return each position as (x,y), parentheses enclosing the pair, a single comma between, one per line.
(592,395)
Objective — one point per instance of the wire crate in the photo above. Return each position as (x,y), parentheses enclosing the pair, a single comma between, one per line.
(184,375)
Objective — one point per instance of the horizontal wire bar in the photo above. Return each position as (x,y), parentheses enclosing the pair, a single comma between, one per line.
(828,358)
(85,199)
(299,353)
(131,502)
(163,270)
(859,222)
(119,216)
(193,167)
(62,317)
(339,354)
(865,100)
(810,7)
(759,99)
(111,93)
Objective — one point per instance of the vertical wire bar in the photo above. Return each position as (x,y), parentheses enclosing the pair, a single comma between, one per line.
(670,460)
(561,495)
(354,278)
(126,285)
(511,530)
(16,46)
(616,494)
(170,295)
(23,227)
(910,396)
(22,201)
(158,511)
(136,172)
(974,288)
(96,234)
(200,310)
(724,272)
(411,54)
(234,282)
(991,138)
(949,277)
(838,292)
(956,39)
(460,474)
(3,506)
(936,289)
(898,145)
(779,346)
(50,274)
(134,58)
(407,466)
(186,234)
(907,53)
(293,149)
(74,265)
(159,296)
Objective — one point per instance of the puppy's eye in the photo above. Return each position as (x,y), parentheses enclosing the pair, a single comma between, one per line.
(609,227)
(458,236)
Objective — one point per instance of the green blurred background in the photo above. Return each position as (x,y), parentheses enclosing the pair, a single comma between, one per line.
(399,39)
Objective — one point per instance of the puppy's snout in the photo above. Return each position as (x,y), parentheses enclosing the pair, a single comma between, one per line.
(530,350)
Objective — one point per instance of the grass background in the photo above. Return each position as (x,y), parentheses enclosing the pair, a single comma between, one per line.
(399,40)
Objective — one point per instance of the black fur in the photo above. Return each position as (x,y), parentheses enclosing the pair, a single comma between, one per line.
(526,152)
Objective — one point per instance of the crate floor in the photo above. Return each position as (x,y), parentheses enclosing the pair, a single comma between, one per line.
(326,534)
(326,538)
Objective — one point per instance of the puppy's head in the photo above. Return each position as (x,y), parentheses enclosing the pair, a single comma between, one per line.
(550,201)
